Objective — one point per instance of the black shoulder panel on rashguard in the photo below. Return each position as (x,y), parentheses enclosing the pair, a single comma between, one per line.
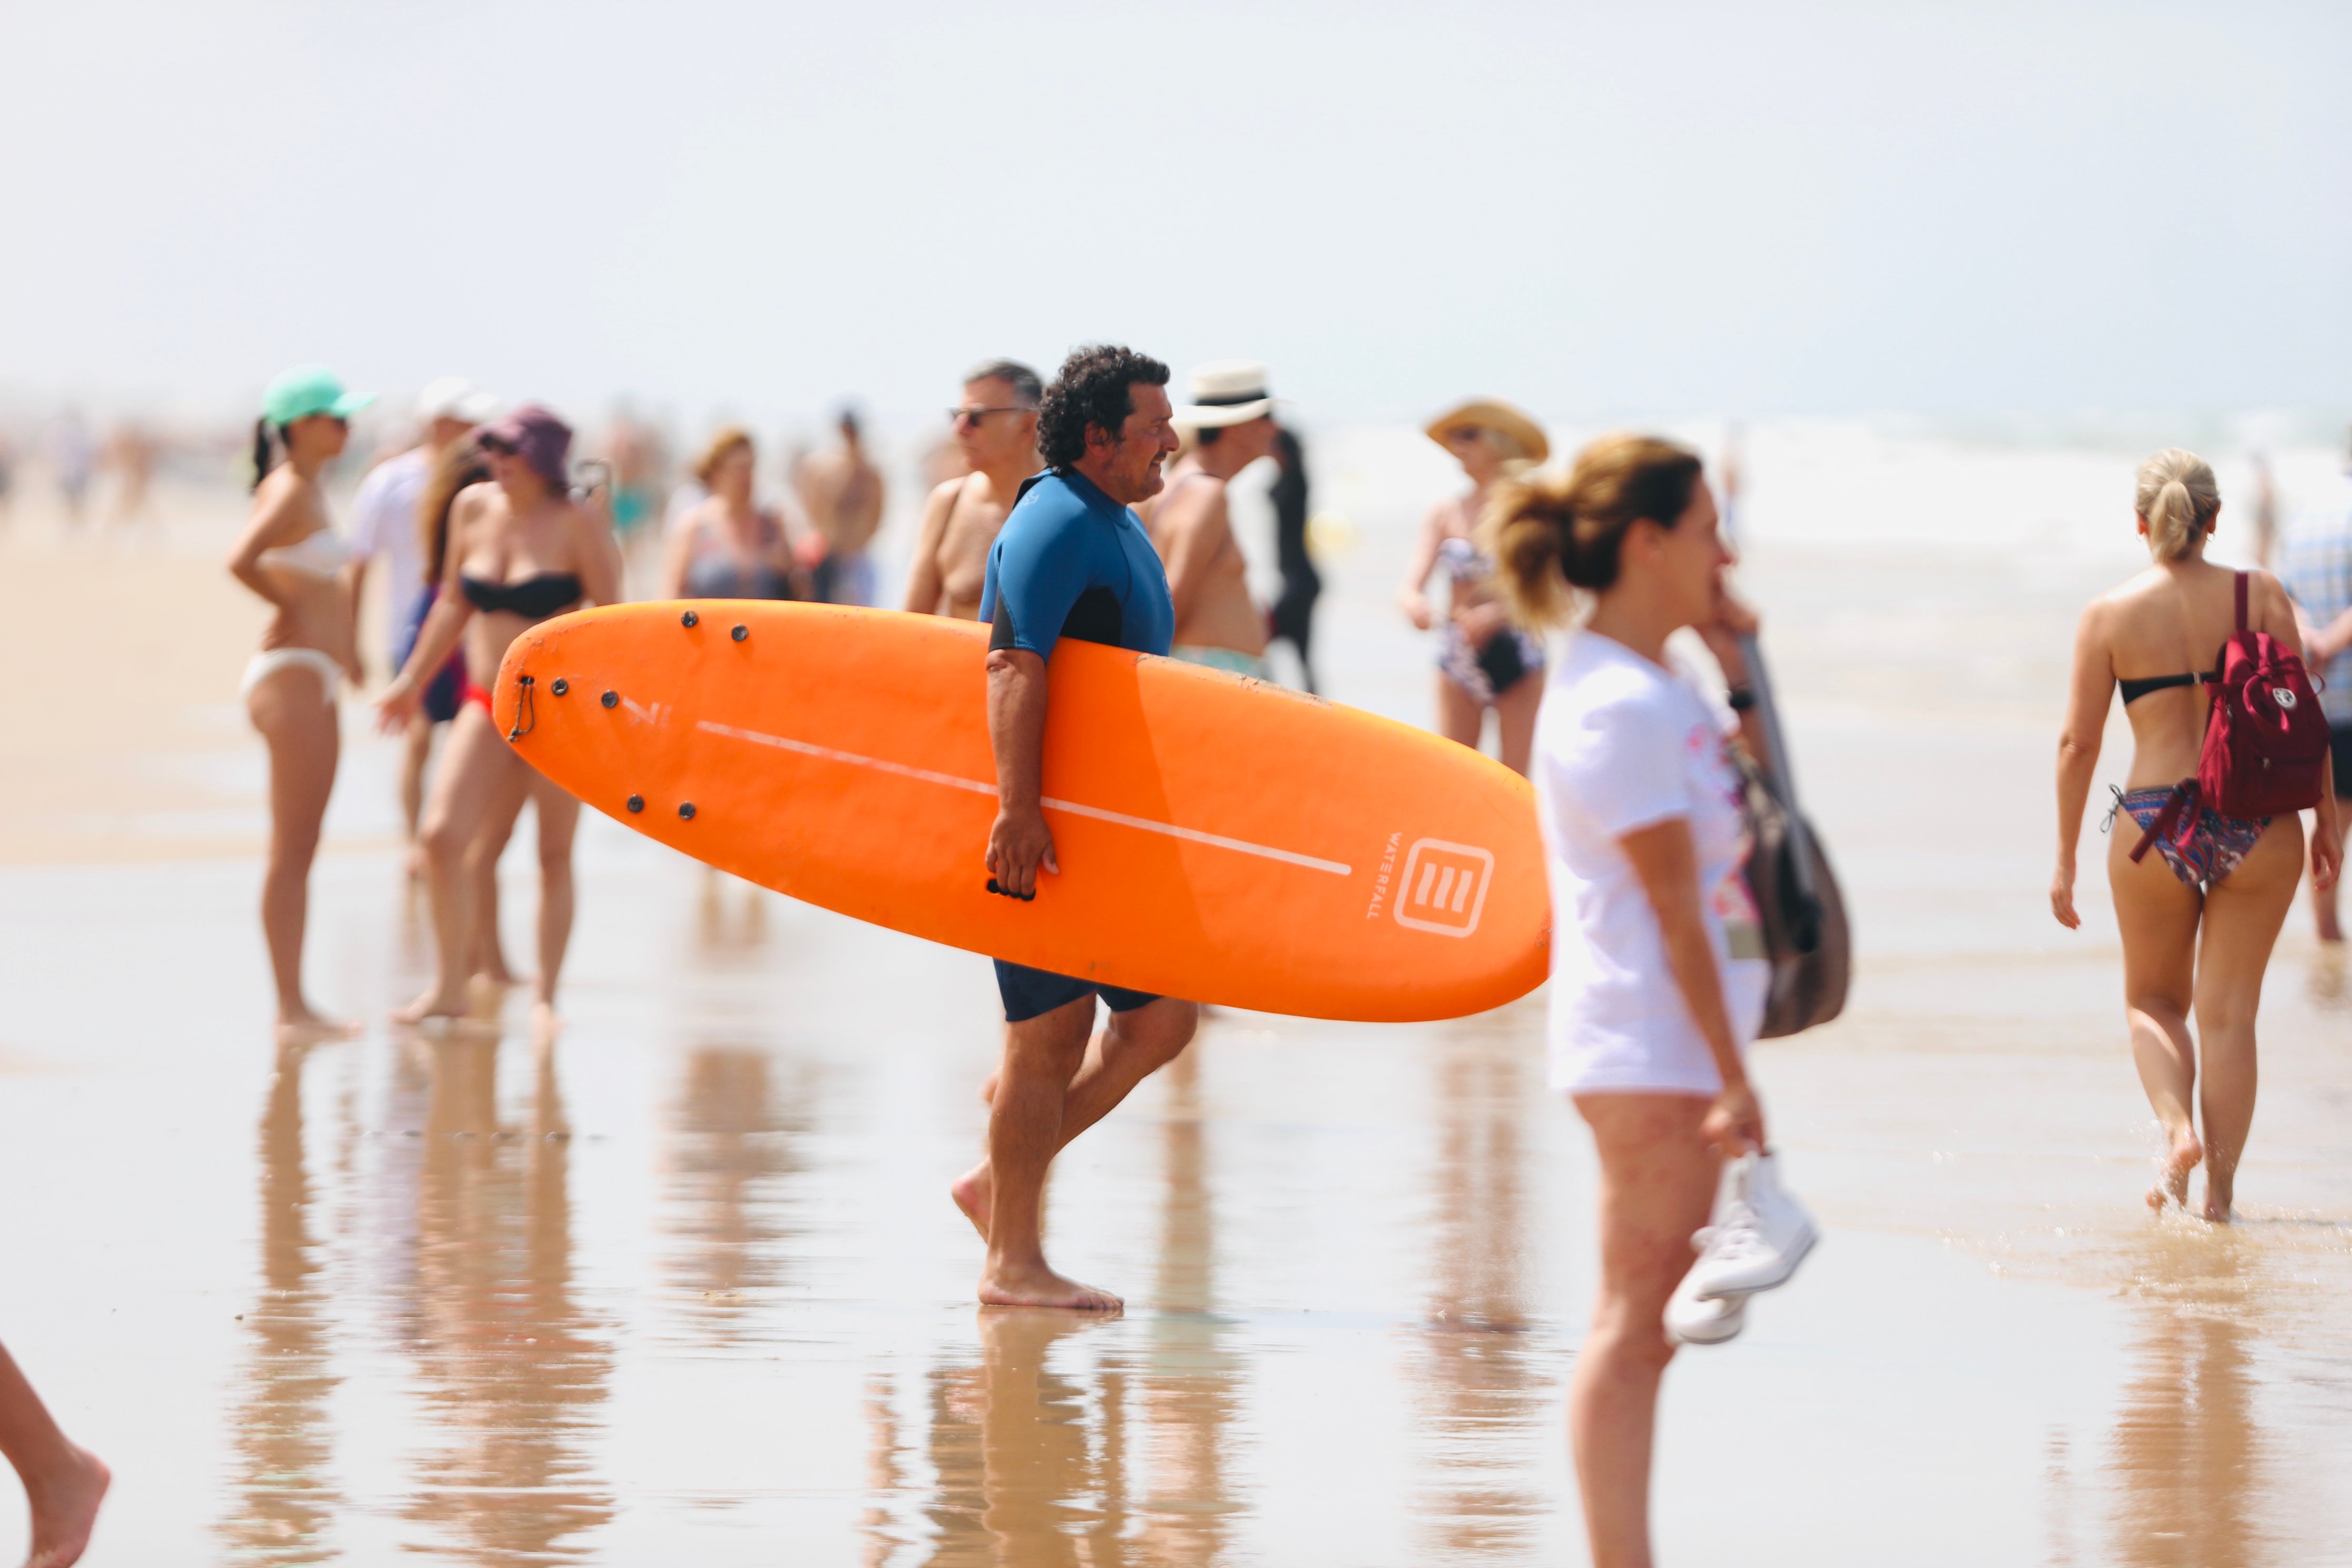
(1095,617)
(1000,631)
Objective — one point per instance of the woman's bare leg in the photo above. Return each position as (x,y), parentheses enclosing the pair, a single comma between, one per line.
(473,765)
(2158,913)
(1657,1183)
(416,751)
(2243,913)
(558,821)
(63,1484)
(489,959)
(304,744)
(1515,716)
(1460,717)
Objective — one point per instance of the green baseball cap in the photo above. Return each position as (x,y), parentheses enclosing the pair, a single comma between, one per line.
(309,389)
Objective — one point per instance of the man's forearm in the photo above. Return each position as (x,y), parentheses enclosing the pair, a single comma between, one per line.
(1016,726)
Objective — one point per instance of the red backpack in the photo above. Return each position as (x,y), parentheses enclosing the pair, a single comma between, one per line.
(2265,739)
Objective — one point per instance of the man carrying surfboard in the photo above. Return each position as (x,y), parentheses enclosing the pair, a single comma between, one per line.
(1070,562)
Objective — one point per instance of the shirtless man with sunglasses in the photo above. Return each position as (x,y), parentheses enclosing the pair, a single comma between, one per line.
(996,426)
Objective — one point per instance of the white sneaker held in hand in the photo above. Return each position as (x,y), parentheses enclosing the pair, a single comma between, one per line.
(1692,1322)
(1758,1237)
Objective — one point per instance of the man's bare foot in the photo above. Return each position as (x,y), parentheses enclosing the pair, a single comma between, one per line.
(975,1192)
(64,1508)
(2172,1172)
(545,1023)
(1004,1286)
(301,1026)
(432,1004)
(414,861)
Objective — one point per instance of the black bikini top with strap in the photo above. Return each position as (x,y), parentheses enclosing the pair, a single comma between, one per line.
(534,598)
(2135,689)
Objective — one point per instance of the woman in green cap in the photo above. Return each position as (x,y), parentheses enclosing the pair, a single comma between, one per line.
(291,556)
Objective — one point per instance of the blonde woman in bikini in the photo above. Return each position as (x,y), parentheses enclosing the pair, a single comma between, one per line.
(521,550)
(1484,661)
(2199,917)
(289,555)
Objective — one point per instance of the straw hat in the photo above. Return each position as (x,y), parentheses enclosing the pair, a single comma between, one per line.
(1227,392)
(1493,413)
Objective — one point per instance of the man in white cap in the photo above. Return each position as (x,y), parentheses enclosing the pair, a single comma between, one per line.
(1230,420)
(384,523)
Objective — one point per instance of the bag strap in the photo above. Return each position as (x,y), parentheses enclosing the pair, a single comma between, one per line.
(2241,601)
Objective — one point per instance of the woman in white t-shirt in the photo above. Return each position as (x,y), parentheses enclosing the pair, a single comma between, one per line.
(1652,999)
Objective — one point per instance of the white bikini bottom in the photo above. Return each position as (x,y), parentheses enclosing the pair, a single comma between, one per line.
(268,662)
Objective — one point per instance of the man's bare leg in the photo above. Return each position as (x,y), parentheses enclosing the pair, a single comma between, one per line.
(1129,1048)
(63,1484)
(1041,1056)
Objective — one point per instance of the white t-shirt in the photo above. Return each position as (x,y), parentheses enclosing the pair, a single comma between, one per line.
(384,523)
(1622,744)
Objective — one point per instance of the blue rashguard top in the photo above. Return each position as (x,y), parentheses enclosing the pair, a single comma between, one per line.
(1072,562)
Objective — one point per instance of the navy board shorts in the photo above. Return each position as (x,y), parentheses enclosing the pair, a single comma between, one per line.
(2339,743)
(447,689)
(1032,993)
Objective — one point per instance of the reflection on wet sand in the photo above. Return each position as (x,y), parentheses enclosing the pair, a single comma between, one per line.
(1191,1380)
(283,1497)
(1486,1396)
(513,1372)
(1036,1462)
(732,1144)
(2189,1457)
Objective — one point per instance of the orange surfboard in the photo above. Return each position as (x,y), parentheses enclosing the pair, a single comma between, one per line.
(1220,838)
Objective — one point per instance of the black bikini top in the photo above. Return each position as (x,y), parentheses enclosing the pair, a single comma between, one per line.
(2135,689)
(534,598)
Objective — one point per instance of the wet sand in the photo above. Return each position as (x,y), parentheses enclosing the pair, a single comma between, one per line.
(688,1288)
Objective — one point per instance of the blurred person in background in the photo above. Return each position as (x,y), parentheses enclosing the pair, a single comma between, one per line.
(291,557)
(63,1483)
(387,524)
(841,494)
(640,465)
(8,476)
(2318,576)
(130,456)
(2266,506)
(1230,421)
(521,550)
(1484,661)
(2200,917)
(71,456)
(1292,620)
(996,428)
(729,546)
(460,466)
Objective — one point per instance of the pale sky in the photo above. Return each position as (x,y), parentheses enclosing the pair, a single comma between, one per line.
(1755,209)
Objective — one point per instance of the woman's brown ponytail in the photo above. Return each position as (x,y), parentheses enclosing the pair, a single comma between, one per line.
(1549,532)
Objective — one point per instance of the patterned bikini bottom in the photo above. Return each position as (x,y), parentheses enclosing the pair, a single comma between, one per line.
(2201,852)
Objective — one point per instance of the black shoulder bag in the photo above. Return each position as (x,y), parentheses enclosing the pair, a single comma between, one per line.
(1796,898)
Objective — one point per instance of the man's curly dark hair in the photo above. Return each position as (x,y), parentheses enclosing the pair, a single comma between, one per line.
(1091,388)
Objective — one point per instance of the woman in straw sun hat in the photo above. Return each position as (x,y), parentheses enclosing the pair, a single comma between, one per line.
(1483,660)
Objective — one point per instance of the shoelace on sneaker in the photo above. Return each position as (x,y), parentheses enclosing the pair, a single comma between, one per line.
(1734,1236)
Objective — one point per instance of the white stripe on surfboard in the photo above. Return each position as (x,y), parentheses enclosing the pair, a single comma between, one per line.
(1192,835)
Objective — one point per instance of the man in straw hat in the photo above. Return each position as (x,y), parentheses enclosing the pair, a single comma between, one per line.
(1229,422)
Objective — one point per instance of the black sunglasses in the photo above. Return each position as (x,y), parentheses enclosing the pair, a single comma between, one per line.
(974,415)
